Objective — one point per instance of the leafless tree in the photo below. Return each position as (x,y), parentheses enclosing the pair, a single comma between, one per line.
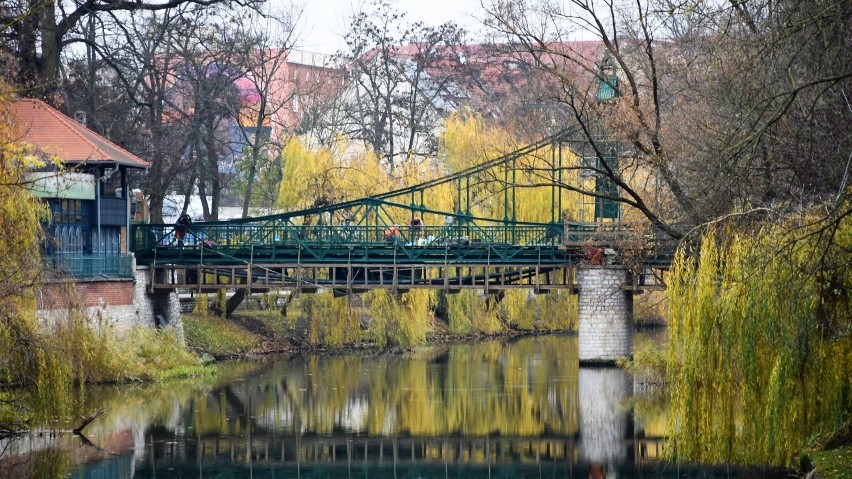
(267,92)
(36,32)
(730,107)
(396,99)
(190,73)
(137,55)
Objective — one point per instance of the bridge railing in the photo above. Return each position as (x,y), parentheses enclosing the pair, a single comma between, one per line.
(88,266)
(241,236)
(622,242)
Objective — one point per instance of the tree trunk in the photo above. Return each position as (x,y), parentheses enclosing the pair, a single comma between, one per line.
(49,71)
(212,171)
(234,301)
(255,154)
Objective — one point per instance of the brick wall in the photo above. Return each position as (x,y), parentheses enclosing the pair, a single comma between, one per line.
(116,304)
(87,294)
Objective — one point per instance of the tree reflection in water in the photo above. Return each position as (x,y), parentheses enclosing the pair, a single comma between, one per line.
(493,409)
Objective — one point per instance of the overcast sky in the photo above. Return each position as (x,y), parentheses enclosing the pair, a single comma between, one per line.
(324,22)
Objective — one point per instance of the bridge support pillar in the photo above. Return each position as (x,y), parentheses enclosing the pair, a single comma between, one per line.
(158,309)
(606,314)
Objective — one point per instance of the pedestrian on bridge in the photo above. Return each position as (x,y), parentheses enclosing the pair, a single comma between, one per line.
(391,234)
(181,226)
(416,224)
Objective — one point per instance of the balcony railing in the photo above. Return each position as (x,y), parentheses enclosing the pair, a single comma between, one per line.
(113,211)
(88,266)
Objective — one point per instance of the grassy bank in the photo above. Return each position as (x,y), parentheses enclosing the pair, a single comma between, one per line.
(264,332)
(244,333)
(377,319)
(73,355)
(833,463)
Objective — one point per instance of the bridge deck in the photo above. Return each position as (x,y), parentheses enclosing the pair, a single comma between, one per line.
(313,277)
(356,258)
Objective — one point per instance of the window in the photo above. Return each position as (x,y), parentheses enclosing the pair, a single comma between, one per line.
(78,241)
(69,228)
(67,212)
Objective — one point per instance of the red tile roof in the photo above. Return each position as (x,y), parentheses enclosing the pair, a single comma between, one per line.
(36,123)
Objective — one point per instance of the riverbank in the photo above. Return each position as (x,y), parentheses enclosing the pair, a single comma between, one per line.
(257,333)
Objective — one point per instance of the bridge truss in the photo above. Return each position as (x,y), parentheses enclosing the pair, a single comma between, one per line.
(358,245)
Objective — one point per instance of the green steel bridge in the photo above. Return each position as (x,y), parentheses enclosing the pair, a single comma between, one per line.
(368,243)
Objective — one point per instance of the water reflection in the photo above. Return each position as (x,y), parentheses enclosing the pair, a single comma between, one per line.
(604,421)
(522,409)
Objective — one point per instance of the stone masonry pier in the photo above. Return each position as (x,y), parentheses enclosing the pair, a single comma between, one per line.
(605,314)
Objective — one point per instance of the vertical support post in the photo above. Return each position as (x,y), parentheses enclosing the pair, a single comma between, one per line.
(395,285)
(514,188)
(459,191)
(349,278)
(487,270)
(249,275)
(560,180)
(98,175)
(538,273)
(124,184)
(552,183)
(505,194)
(299,271)
(467,190)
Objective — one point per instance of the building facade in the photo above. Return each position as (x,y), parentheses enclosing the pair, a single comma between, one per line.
(85,188)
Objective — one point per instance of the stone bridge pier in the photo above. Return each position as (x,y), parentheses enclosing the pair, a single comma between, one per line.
(605,314)
(157,309)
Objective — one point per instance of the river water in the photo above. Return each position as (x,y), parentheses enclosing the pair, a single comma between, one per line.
(497,409)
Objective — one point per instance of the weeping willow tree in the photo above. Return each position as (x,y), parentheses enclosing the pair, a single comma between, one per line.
(26,361)
(468,140)
(760,355)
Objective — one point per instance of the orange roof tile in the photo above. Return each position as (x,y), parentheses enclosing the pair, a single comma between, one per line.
(36,123)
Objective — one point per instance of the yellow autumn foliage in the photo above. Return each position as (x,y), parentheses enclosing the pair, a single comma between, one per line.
(760,350)
(327,175)
(468,141)
(314,177)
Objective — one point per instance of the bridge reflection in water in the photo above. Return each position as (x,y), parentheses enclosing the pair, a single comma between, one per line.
(518,409)
(457,457)
(604,447)
(522,409)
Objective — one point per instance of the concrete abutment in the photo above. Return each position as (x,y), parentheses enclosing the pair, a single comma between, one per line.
(160,309)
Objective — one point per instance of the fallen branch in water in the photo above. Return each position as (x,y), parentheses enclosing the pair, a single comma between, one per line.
(87,420)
